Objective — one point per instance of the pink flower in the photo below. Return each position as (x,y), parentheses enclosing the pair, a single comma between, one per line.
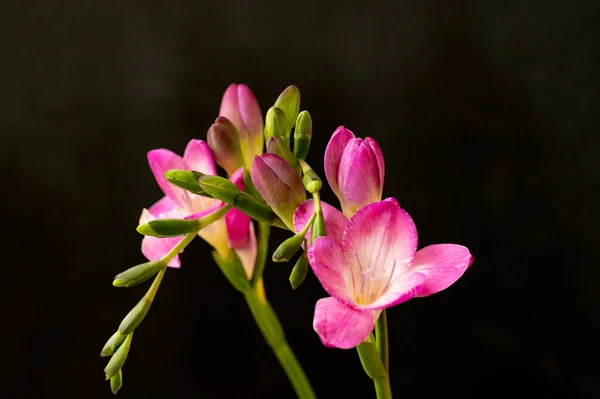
(355,170)
(234,231)
(241,108)
(373,266)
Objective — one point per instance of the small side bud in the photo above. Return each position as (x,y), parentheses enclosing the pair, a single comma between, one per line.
(135,316)
(274,123)
(162,228)
(188,180)
(302,135)
(137,274)
(276,146)
(116,382)
(299,271)
(112,344)
(117,360)
(312,182)
(289,102)
(219,188)
(318,228)
(224,141)
(287,249)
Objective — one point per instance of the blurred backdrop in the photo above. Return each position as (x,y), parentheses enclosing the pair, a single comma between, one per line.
(487,113)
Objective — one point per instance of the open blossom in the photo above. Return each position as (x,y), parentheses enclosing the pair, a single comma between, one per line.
(241,108)
(234,231)
(372,265)
(355,170)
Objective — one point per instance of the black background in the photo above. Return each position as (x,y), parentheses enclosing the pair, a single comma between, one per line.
(487,113)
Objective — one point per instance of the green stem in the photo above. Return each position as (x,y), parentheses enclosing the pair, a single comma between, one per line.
(381,337)
(382,387)
(273,333)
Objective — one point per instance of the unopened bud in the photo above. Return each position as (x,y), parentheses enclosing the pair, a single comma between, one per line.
(287,249)
(312,182)
(275,146)
(162,228)
(299,271)
(137,274)
(274,124)
(135,316)
(302,135)
(224,141)
(117,360)
(289,102)
(112,344)
(219,188)
(188,180)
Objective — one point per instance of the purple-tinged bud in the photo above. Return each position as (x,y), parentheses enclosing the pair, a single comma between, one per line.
(224,141)
(241,108)
(279,184)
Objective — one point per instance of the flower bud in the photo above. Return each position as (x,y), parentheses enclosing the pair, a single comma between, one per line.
(137,274)
(302,135)
(354,170)
(116,382)
(163,228)
(241,108)
(289,102)
(276,146)
(224,141)
(117,360)
(299,271)
(287,249)
(112,344)
(135,316)
(312,182)
(274,124)
(188,180)
(279,184)
(219,188)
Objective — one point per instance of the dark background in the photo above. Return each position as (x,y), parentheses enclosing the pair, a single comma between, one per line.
(487,113)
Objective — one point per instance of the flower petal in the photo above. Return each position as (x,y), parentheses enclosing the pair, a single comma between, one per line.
(358,177)
(331,268)
(379,155)
(162,160)
(401,289)
(199,157)
(333,155)
(335,221)
(442,265)
(250,110)
(155,248)
(230,107)
(246,250)
(162,207)
(341,326)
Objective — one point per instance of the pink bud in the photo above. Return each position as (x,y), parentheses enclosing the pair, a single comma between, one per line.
(224,141)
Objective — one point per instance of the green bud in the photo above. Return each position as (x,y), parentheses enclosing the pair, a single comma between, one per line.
(302,135)
(289,102)
(299,271)
(188,180)
(135,316)
(112,344)
(233,270)
(371,360)
(162,228)
(117,360)
(137,274)
(274,122)
(116,382)
(219,188)
(311,181)
(224,141)
(276,146)
(288,248)
(318,228)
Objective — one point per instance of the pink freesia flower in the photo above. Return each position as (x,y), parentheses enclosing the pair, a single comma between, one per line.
(355,170)
(235,231)
(241,107)
(375,265)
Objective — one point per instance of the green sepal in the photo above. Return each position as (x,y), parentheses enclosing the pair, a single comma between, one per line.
(289,102)
(274,122)
(275,146)
(371,360)
(135,316)
(318,228)
(287,249)
(117,360)
(188,180)
(137,274)
(116,382)
(233,270)
(302,135)
(219,188)
(112,344)
(299,271)
(163,228)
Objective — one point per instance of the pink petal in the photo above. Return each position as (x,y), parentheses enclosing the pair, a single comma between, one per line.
(230,108)
(442,265)
(331,267)
(381,235)
(358,177)
(379,155)
(333,155)
(246,250)
(250,110)
(339,325)
(163,206)
(162,160)
(402,288)
(199,157)
(155,248)
(335,221)
(284,172)
(238,225)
